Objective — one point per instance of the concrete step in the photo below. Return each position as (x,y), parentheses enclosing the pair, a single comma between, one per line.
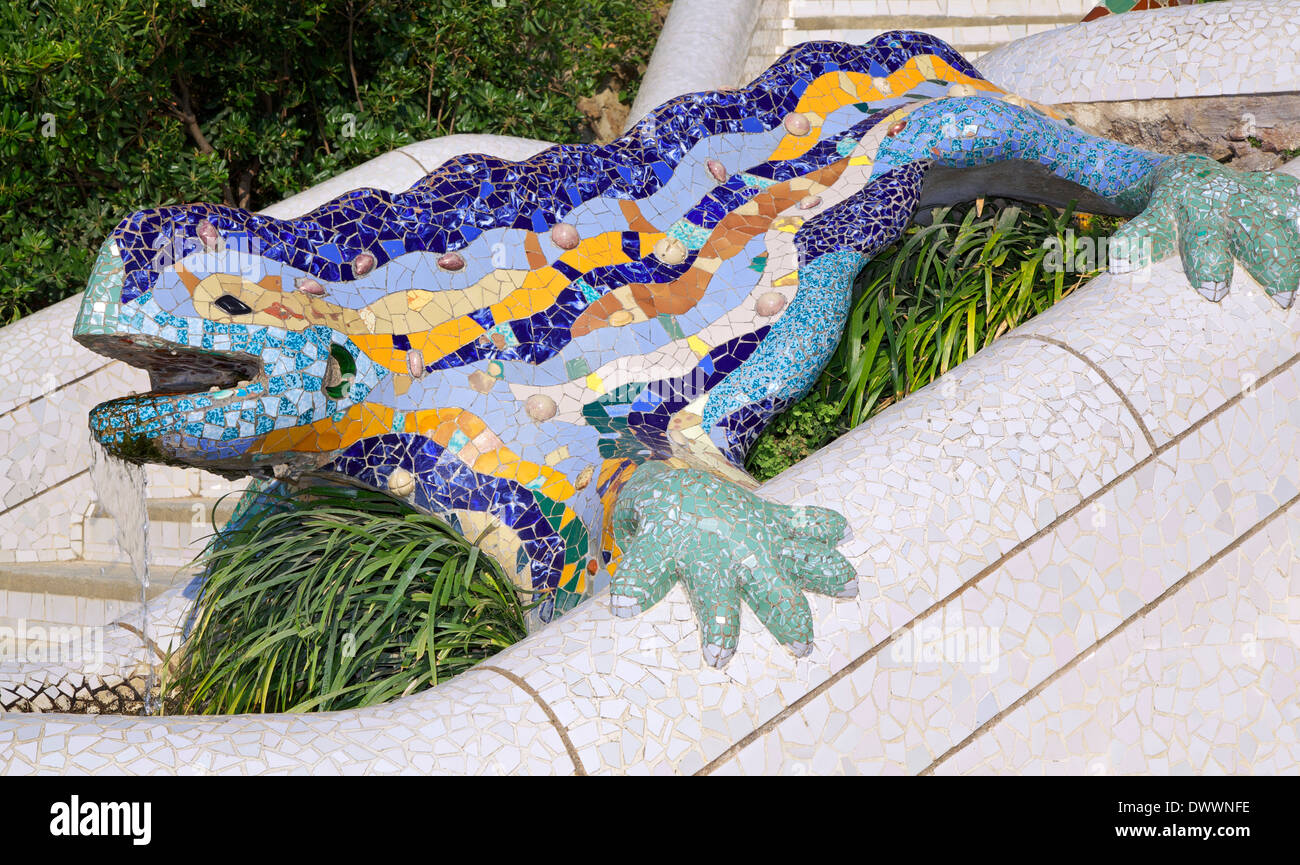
(77,593)
(973,27)
(179,528)
(1074,9)
(925,22)
(185,509)
(970,37)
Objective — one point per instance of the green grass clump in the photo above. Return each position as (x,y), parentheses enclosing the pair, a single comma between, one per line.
(935,297)
(338,599)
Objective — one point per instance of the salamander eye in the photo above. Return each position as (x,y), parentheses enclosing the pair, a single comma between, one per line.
(339,372)
(233,305)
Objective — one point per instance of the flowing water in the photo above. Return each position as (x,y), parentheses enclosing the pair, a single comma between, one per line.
(120,487)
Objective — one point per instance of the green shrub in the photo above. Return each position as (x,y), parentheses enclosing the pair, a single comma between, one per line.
(107,108)
(337,599)
(925,304)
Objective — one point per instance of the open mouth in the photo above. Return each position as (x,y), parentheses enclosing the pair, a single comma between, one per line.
(182,379)
(178,370)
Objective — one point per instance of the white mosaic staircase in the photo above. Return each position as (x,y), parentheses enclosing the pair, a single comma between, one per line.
(89,582)
(179,527)
(77,593)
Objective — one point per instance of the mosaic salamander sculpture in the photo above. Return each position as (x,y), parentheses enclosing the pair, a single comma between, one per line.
(577,349)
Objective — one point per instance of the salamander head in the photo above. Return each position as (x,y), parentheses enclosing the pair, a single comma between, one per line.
(250,365)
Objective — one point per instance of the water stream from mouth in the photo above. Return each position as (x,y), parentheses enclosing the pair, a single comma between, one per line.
(121,488)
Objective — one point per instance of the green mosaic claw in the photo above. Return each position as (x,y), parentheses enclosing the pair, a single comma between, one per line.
(1212,214)
(725,544)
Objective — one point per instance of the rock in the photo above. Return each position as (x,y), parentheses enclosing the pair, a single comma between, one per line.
(452,261)
(564,235)
(670,250)
(1220,127)
(606,115)
(540,407)
(363,264)
(401,483)
(307,285)
(769,303)
(1282,138)
(415,363)
(797,124)
(717,169)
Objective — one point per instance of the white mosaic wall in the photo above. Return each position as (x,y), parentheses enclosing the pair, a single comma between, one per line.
(1212,49)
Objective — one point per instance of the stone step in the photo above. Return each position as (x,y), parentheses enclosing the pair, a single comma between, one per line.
(973,27)
(925,22)
(179,528)
(1073,9)
(185,509)
(966,39)
(77,593)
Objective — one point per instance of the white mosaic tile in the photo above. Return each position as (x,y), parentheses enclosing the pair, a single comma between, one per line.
(1146,55)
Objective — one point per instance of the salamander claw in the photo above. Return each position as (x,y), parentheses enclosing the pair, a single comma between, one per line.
(725,544)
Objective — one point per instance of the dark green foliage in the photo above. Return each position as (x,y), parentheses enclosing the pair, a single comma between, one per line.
(937,296)
(334,599)
(110,107)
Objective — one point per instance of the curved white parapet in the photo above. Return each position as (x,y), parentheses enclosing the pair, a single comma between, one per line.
(1078,552)
(398,170)
(702,46)
(1213,49)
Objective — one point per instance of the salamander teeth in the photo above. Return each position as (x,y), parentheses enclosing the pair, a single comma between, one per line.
(769,303)
(401,483)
